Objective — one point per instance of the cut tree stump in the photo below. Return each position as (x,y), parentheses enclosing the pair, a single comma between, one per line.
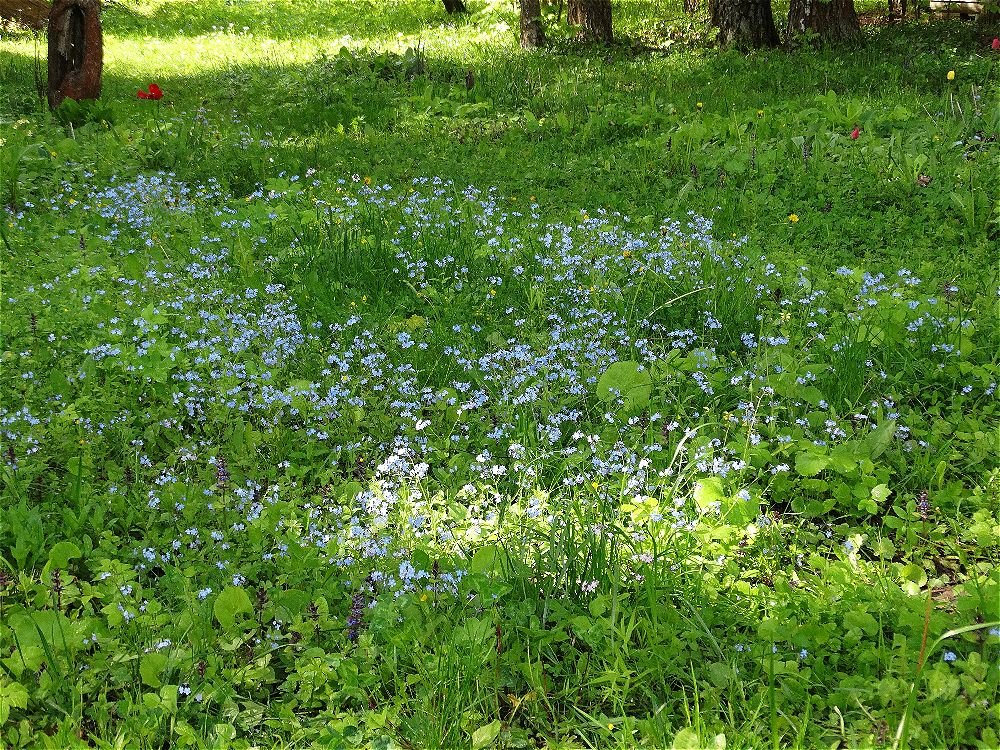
(76,50)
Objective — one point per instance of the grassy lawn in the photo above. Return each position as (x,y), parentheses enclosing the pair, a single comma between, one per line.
(383,385)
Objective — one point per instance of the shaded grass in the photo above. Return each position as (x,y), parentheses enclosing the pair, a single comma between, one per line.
(612,147)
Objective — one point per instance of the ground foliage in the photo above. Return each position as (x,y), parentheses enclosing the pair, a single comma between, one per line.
(415,391)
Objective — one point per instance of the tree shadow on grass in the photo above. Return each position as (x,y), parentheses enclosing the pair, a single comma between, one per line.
(579,130)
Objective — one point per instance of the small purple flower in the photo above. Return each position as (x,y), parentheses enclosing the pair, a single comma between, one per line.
(221,472)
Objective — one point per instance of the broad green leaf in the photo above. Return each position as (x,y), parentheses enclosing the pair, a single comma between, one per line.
(46,628)
(627,379)
(530,121)
(861,620)
(12,695)
(599,605)
(720,674)
(809,464)
(487,735)
(708,491)
(913,573)
(811,394)
(414,323)
(880,438)
(231,603)
(686,739)
(420,560)
(293,601)
(880,493)
(844,457)
(741,512)
(150,667)
(485,560)
(224,732)
(474,633)
(61,553)
(168,698)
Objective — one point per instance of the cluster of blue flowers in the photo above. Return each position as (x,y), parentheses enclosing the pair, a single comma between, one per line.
(506,404)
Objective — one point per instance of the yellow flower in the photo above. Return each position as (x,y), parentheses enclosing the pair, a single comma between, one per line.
(760,113)
(951,75)
(699,105)
(793,218)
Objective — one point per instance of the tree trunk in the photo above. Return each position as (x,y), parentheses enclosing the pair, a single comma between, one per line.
(832,21)
(532,34)
(455,6)
(76,50)
(31,13)
(574,12)
(746,24)
(594,19)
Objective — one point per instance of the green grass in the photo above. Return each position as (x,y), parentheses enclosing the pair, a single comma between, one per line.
(383,385)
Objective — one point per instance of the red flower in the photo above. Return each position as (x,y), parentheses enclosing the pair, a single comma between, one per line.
(855,133)
(996,44)
(155,92)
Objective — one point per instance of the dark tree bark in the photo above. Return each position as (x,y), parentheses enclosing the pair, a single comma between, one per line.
(455,6)
(831,20)
(746,24)
(532,34)
(593,17)
(76,50)
(574,12)
(31,13)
